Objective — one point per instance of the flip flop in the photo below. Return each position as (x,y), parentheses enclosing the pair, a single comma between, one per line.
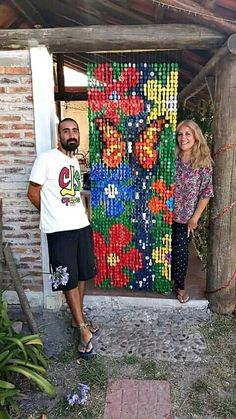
(86,353)
(92,327)
(183,298)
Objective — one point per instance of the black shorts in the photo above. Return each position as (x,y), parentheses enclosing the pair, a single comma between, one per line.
(72,250)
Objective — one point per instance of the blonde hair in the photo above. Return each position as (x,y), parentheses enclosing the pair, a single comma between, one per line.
(201,155)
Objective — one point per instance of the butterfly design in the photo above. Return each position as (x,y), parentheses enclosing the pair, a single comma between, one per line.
(116,146)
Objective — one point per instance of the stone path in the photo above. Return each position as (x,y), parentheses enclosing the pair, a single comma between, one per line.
(162,334)
(167,335)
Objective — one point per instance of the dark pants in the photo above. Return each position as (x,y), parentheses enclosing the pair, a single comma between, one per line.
(179,264)
(73,250)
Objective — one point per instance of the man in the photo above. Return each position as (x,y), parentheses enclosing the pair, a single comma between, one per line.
(54,189)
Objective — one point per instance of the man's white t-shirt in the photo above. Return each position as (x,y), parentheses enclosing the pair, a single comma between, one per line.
(61,207)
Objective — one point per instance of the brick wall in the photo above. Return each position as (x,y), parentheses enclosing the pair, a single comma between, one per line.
(17,151)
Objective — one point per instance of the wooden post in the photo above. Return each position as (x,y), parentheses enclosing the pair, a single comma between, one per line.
(221,273)
(19,289)
(60,73)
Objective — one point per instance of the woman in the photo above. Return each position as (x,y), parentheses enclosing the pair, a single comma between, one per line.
(193,190)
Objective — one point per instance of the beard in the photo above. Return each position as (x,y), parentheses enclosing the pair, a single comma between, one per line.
(70,146)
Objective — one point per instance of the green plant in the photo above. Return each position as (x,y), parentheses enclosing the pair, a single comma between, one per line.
(22,355)
(94,372)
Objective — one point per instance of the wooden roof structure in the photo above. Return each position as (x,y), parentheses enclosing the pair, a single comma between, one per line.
(215,20)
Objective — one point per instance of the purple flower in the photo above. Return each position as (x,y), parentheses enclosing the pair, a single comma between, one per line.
(59,277)
(72,399)
(79,398)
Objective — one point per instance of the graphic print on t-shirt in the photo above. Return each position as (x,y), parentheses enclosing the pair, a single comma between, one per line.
(70,184)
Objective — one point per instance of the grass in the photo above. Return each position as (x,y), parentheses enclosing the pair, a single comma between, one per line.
(215,391)
(94,372)
(63,411)
(129,360)
(201,390)
(152,371)
(65,356)
(219,327)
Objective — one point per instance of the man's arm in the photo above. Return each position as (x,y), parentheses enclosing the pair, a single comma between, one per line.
(34,194)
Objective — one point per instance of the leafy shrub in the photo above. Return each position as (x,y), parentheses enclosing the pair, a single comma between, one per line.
(22,355)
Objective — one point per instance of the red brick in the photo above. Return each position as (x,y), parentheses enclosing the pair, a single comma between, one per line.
(20,229)
(137,399)
(10,99)
(21,126)
(19,89)
(20,107)
(25,80)
(29,134)
(17,236)
(10,135)
(15,70)
(10,118)
(3,126)
(9,80)
(29,98)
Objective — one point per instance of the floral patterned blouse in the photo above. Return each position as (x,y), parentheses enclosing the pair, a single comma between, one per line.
(191,185)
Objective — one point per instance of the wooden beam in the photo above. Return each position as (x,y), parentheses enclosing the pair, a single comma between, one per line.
(210,82)
(76,65)
(201,15)
(232,44)
(229,4)
(72,89)
(159,14)
(66,12)
(127,14)
(200,79)
(147,8)
(190,64)
(113,38)
(198,57)
(208,4)
(29,11)
(60,73)
(7,15)
(221,269)
(184,73)
(69,97)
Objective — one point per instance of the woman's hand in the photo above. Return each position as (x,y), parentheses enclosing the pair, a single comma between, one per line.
(192,225)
